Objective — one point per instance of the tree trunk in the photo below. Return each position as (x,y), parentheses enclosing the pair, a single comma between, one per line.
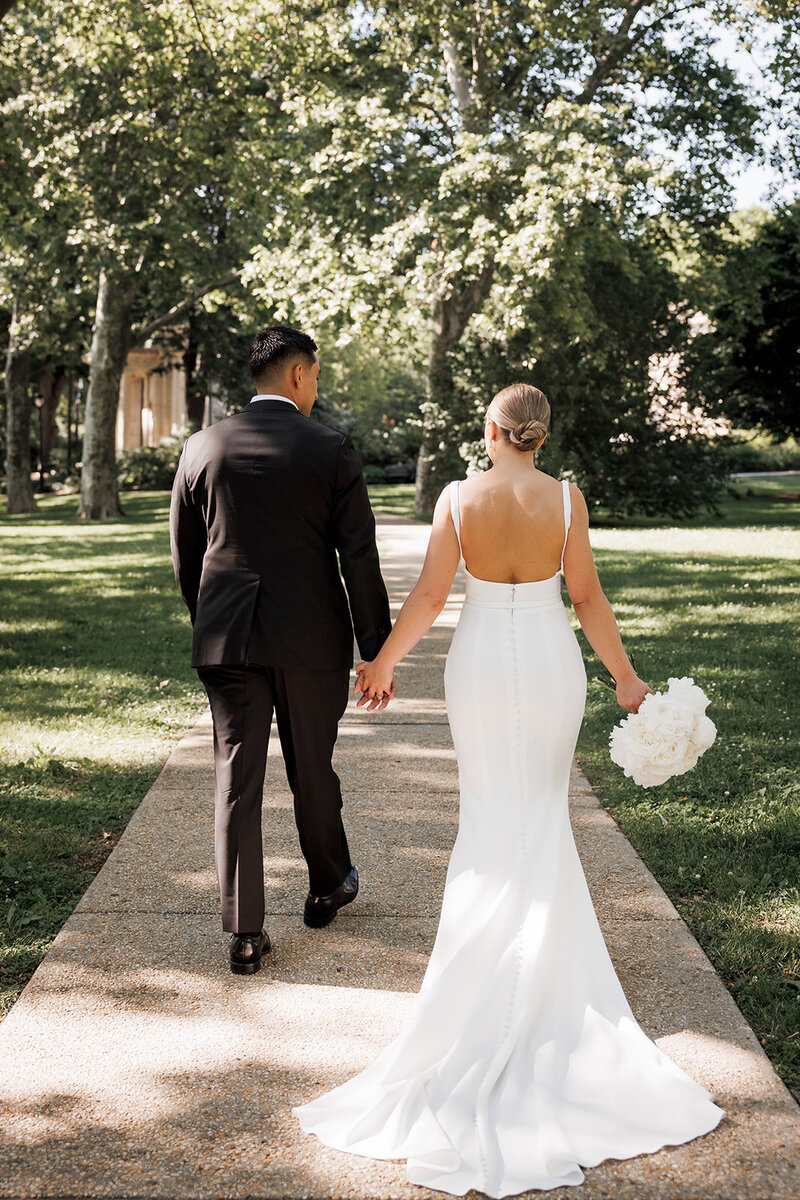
(431,462)
(51,385)
(18,422)
(195,397)
(452,308)
(70,404)
(451,315)
(111,340)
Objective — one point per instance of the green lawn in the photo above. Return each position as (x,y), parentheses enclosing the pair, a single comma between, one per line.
(767,505)
(95,686)
(397,498)
(721,605)
(760,500)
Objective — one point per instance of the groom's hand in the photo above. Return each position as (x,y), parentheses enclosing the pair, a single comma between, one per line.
(373,702)
(388,696)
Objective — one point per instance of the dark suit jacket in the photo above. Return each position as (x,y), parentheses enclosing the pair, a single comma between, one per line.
(261,504)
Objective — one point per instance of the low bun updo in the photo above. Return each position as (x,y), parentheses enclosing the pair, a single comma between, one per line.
(528,435)
(522,412)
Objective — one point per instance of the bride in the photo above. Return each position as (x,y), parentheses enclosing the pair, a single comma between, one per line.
(523,1061)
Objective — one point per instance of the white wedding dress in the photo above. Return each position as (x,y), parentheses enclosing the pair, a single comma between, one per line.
(522,1062)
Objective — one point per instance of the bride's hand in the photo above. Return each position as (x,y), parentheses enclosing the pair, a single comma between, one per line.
(631,692)
(376,685)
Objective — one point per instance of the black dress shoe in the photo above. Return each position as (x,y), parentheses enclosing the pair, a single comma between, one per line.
(320,910)
(246,950)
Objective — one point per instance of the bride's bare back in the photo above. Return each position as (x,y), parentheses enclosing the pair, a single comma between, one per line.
(512,529)
(511,520)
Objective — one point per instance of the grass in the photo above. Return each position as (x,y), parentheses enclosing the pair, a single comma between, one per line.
(765,506)
(757,501)
(723,840)
(95,686)
(396,498)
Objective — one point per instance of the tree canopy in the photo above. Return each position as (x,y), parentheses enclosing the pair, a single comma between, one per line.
(145,129)
(747,366)
(452,150)
(428,185)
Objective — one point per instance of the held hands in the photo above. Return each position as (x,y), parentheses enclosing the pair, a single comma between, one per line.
(631,691)
(376,684)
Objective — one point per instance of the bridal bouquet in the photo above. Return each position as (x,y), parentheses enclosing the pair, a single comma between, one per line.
(666,736)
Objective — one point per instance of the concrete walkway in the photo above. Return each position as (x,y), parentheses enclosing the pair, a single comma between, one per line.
(134,1064)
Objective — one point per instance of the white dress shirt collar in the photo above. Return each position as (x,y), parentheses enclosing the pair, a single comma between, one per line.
(273,396)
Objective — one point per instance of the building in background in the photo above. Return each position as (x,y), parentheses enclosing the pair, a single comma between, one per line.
(152,399)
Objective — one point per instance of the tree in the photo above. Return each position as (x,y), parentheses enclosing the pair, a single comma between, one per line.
(18,417)
(40,284)
(371,393)
(592,333)
(748,364)
(213,338)
(15,196)
(450,146)
(154,123)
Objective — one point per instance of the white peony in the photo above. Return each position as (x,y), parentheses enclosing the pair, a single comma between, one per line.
(666,736)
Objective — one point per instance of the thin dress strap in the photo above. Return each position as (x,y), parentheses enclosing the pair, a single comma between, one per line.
(567,517)
(454,513)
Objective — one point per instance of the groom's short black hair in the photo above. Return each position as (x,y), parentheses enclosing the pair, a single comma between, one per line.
(276,347)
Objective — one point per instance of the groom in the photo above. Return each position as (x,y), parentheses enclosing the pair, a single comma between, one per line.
(262,503)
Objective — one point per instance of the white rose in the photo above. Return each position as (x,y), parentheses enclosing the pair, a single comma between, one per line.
(666,736)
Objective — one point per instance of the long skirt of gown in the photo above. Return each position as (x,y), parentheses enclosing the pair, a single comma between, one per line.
(522,1061)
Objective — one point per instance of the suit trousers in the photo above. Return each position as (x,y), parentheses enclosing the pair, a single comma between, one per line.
(308,706)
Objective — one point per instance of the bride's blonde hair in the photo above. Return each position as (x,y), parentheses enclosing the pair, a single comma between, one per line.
(522,412)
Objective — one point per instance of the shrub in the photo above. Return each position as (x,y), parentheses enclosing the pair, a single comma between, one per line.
(150,468)
(374,474)
(747,451)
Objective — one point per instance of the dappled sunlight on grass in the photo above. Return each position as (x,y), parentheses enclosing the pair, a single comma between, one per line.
(709,541)
(95,687)
(724,839)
